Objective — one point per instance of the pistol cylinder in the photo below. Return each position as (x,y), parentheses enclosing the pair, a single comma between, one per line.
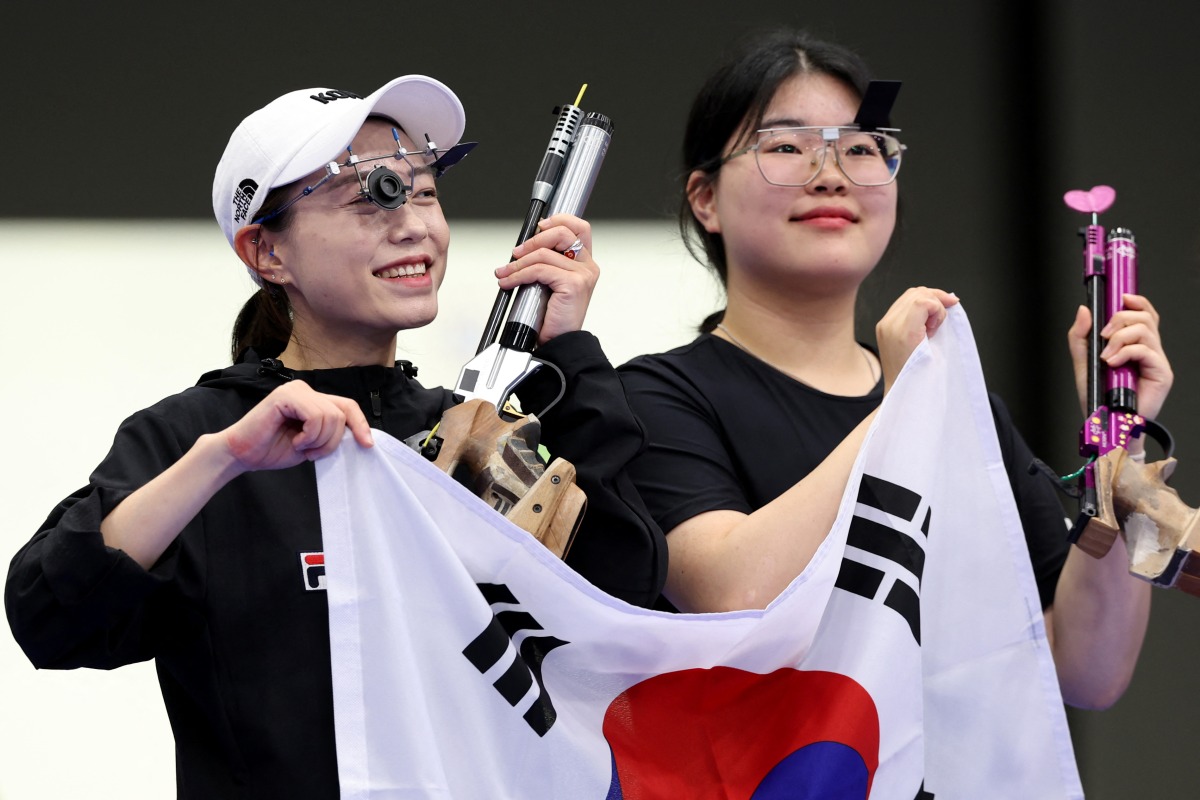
(1093,280)
(544,184)
(1120,257)
(556,154)
(574,189)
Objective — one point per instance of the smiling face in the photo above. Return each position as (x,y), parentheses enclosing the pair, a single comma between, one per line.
(357,273)
(830,233)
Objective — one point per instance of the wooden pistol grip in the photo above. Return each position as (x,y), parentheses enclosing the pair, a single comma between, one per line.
(489,455)
(553,508)
(497,459)
(1101,530)
(1161,532)
(469,432)
(1187,579)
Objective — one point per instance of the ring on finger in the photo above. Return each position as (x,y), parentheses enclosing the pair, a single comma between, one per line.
(572,252)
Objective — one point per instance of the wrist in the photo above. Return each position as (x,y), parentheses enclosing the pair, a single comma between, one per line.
(212,455)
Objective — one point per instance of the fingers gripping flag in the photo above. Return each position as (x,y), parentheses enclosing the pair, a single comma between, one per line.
(909,659)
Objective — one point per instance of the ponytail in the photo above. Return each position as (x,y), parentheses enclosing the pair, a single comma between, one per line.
(711,321)
(264,324)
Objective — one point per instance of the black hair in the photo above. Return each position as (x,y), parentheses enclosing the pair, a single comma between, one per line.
(732,103)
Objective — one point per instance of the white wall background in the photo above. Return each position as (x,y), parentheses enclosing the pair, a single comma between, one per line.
(98,320)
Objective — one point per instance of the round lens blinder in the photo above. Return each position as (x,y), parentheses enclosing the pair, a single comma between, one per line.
(386,189)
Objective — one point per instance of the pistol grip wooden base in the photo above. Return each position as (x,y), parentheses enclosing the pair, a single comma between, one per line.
(553,508)
(1101,531)
(1162,534)
(497,459)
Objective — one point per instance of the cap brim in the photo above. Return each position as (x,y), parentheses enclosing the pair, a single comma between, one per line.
(421,106)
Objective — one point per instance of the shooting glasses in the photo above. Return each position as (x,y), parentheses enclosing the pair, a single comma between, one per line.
(381,185)
(795,156)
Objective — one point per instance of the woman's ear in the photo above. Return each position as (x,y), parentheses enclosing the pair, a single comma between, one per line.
(256,253)
(702,197)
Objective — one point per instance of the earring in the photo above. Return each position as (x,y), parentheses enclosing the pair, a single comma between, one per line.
(254,240)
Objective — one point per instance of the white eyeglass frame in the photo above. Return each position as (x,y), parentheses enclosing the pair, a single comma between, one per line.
(830,135)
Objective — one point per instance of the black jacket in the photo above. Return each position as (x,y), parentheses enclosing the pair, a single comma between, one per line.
(240,640)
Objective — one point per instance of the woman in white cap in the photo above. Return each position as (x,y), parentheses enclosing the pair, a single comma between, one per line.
(196,542)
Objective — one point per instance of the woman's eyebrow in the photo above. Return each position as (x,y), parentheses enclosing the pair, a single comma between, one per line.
(793,122)
(783,122)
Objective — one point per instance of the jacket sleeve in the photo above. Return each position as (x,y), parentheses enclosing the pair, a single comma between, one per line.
(71,601)
(1042,516)
(619,548)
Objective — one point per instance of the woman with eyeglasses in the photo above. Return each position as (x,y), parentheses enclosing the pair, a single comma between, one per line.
(790,197)
(197,540)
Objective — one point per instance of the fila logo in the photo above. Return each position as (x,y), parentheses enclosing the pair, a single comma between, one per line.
(894,541)
(242,198)
(491,646)
(331,95)
(312,570)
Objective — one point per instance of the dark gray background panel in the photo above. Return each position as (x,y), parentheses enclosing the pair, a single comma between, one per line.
(121,111)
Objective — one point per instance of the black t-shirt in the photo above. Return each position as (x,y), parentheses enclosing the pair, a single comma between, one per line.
(728,431)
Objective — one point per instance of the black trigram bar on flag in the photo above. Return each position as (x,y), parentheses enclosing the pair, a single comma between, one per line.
(489,647)
(900,544)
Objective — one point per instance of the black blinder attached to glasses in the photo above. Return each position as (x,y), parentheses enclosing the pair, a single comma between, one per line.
(875,110)
(386,189)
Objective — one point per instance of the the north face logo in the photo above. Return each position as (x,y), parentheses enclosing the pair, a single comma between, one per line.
(242,198)
(331,95)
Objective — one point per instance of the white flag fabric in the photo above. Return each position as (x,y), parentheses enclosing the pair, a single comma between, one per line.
(909,660)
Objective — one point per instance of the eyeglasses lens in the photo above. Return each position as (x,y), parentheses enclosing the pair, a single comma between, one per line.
(794,157)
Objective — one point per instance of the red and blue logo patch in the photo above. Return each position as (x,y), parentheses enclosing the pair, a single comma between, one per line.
(312,570)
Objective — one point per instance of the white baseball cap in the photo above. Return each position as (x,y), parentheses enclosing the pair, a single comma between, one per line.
(304,130)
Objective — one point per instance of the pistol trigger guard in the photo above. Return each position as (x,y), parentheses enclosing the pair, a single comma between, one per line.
(562,386)
(1160,434)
